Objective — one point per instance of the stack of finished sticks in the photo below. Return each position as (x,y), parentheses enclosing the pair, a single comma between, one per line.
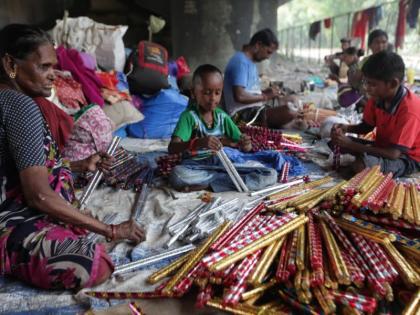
(307,249)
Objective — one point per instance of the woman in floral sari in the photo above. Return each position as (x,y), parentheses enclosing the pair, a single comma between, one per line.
(42,235)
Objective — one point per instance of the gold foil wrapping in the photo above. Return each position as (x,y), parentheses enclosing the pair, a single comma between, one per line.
(195,257)
(168,270)
(376,236)
(413,306)
(265,262)
(408,274)
(337,262)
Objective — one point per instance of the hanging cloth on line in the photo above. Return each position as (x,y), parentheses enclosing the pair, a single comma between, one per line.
(360,25)
(314,29)
(400,31)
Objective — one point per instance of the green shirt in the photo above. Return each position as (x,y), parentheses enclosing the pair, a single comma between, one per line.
(191,125)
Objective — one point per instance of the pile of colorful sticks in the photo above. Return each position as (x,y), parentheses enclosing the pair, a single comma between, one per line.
(297,252)
(167,162)
(270,139)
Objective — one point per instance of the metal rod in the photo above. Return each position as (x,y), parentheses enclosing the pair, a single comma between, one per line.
(223,206)
(97,176)
(152,259)
(272,189)
(231,170)
(232,177)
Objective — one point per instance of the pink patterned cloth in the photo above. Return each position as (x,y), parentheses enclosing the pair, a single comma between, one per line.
(92,132)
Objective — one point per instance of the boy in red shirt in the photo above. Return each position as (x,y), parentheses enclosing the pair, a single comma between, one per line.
(394,111)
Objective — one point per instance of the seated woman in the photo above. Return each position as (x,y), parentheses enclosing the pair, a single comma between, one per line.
(203,128)
(42,233)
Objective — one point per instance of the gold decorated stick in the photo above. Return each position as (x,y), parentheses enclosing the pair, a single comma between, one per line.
(415,203)
(337,262)
(260,243)
(328,298)
(397,202)
(375,181)
(300,188)
(408,213)
(298,280)
(306,283)
(260,289)
(300,252)
(168,270)
(408,274)
(309,196)
(413,306)
(322,301)
(374,235)
(367,180)
(265,262)
(195,257)
(240,309)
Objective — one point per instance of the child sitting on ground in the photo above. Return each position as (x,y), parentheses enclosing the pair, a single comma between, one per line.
(395,113)
(204,128)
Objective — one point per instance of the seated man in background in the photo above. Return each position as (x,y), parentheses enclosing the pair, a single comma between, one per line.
(338,71)
(243,97)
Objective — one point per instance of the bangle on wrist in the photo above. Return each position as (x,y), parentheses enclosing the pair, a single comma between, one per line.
(193,145)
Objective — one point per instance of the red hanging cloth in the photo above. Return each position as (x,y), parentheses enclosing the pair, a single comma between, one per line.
(327,23)
(360,25)
(400,31)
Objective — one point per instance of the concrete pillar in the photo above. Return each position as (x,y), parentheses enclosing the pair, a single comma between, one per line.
(209,31)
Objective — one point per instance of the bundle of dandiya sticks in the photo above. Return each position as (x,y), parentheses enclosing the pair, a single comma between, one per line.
(303,250)
(263,138)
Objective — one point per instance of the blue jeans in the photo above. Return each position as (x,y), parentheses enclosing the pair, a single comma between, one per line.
(210,172)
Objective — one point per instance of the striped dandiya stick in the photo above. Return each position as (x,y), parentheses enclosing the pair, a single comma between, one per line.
(185,284)
(369,256)
(238,227)
(292,251)
(355,181)
(135,309)
(355,254)
(387,264)
(241,239)
(373,198)
(272,225)
(356,275)
(204,296)
(358,301)
(317,277)
(361,198)
(195,257)
(284,176)
(282,273)
(315,243)
(233,294)
(383,198)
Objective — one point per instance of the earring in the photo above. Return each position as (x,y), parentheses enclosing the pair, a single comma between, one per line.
(12,75)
